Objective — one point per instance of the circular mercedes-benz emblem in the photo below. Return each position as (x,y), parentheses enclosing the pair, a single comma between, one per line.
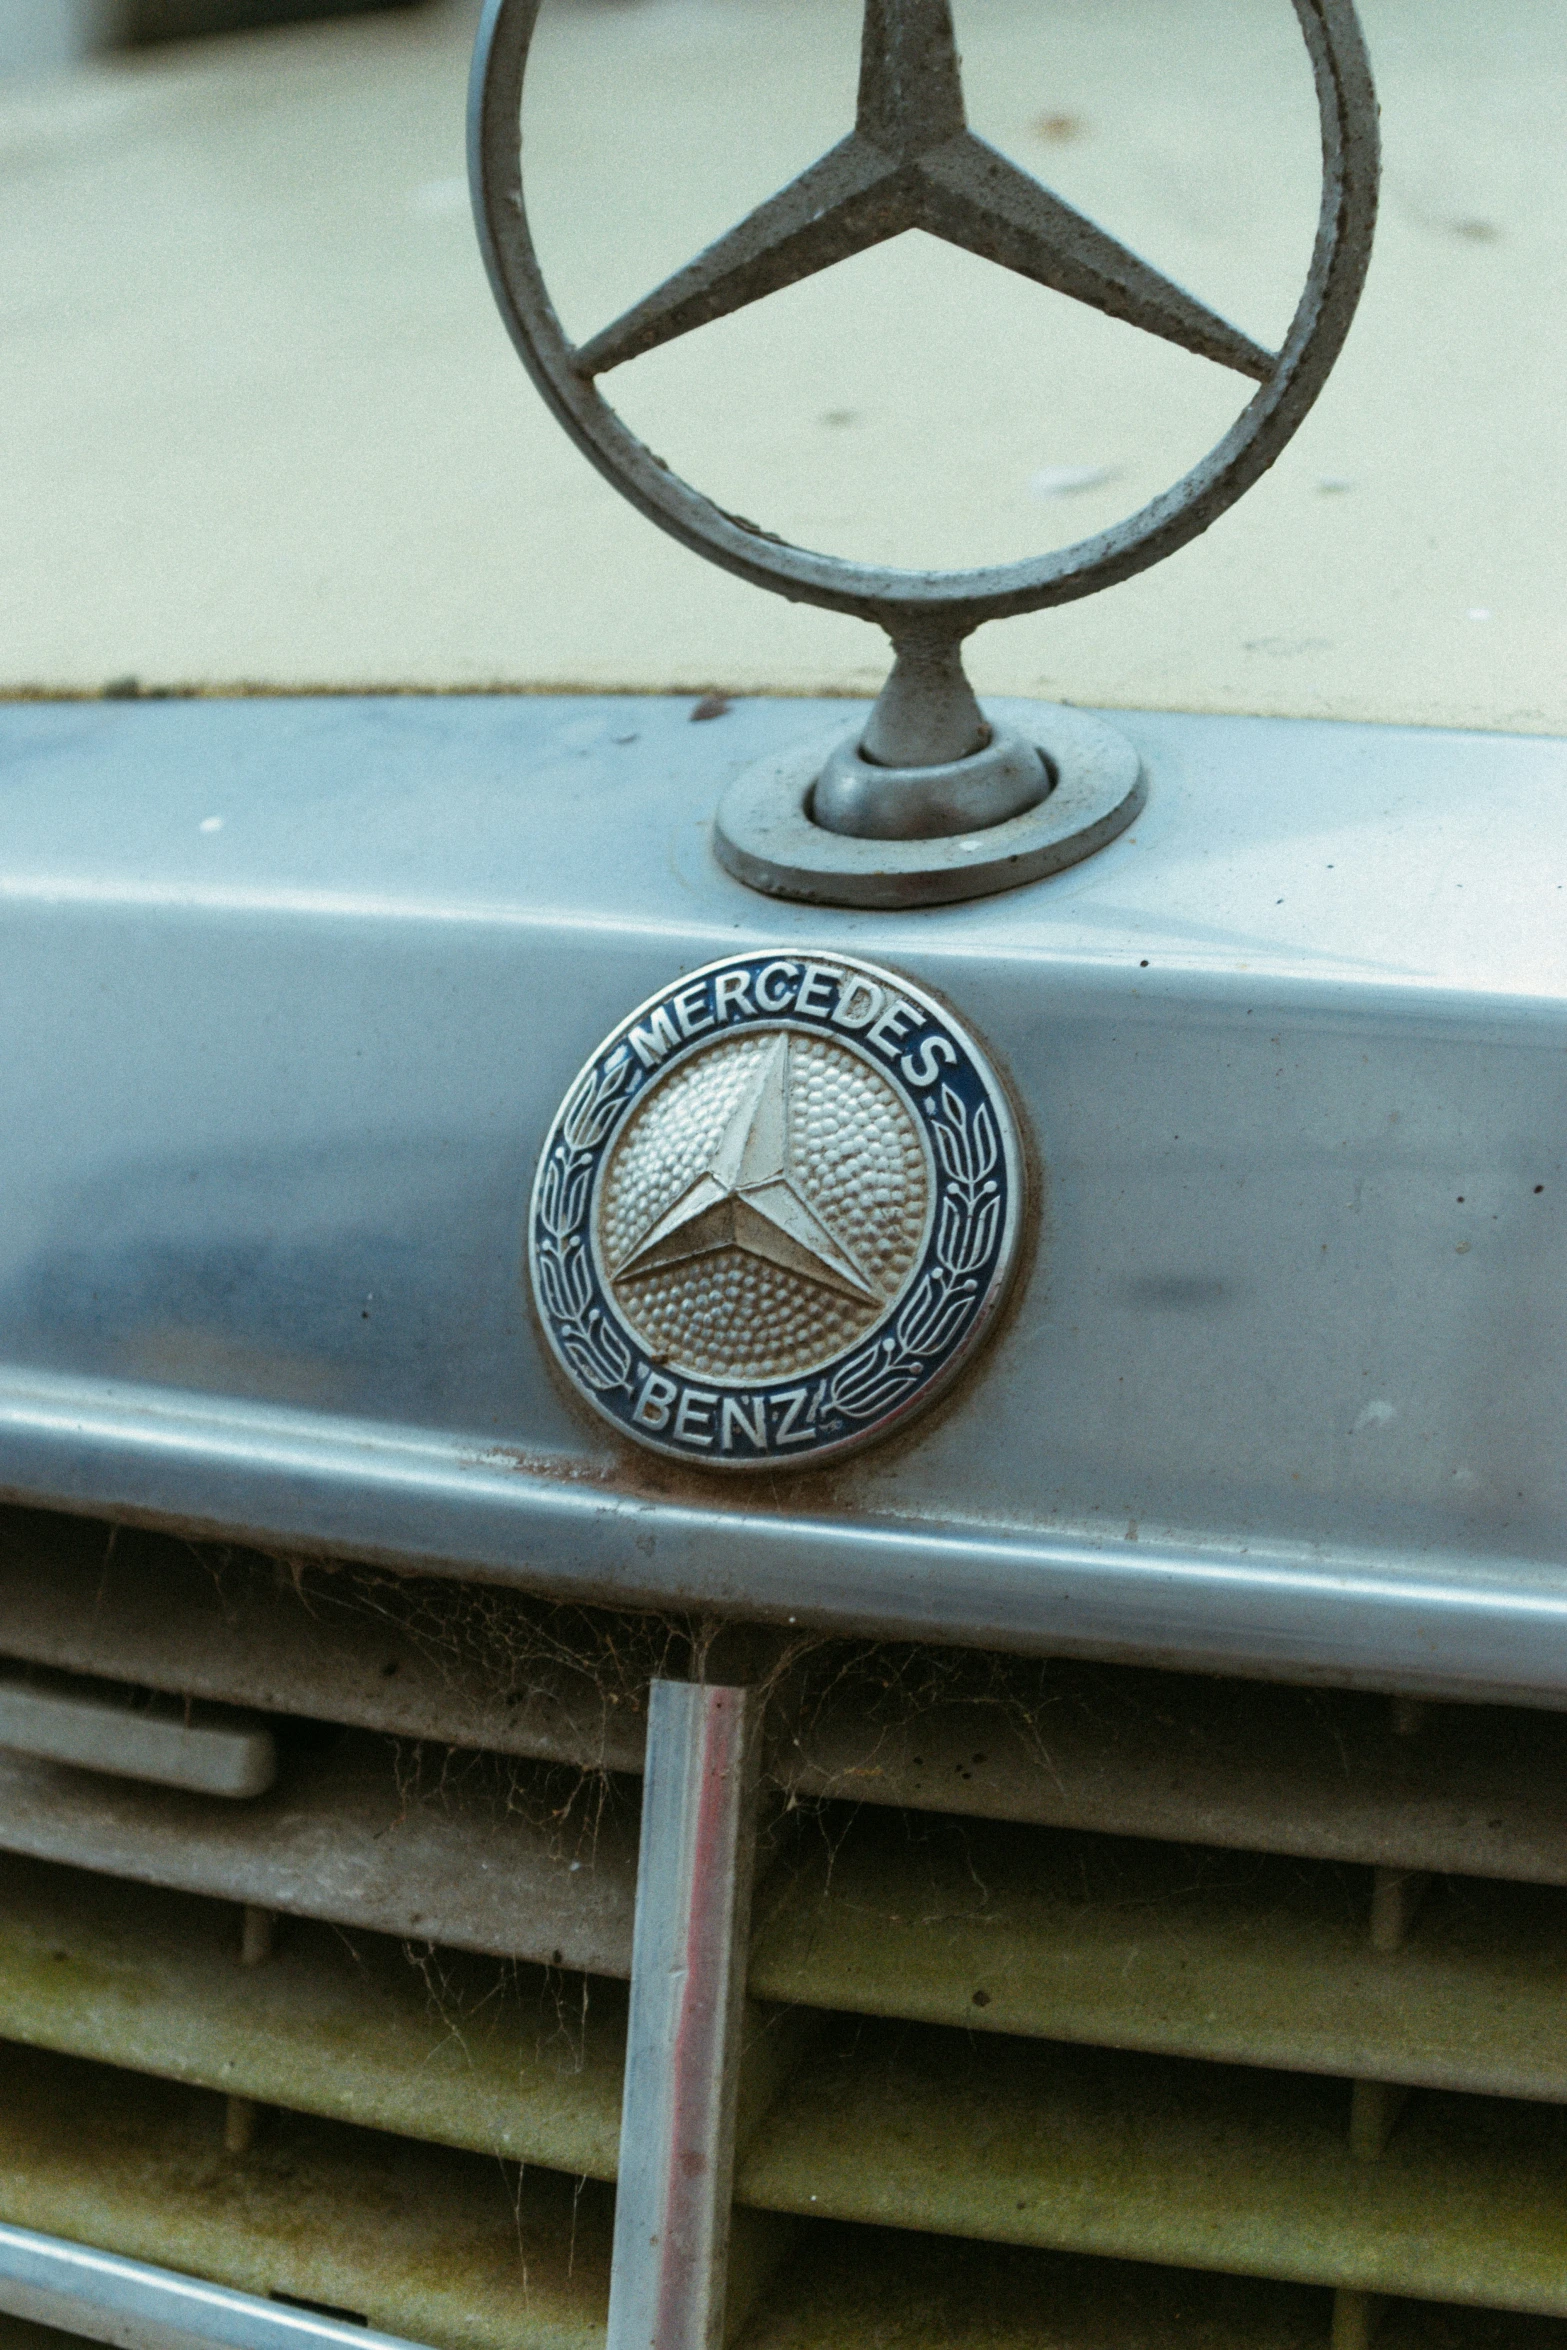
(776,1210)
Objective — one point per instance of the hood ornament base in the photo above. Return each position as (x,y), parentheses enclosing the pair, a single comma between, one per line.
(769,831)
(858,796)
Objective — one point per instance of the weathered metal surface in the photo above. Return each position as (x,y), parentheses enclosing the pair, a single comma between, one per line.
(669,2279)
(421,1660)
(523,2063)
(137,2307)
(911,162)
(68,1718)
(1148,2158)
(867,800)
(925,714)
(1228,1957)
(415,1848)
(199,1225)
(1325,1775)
(766,833)
(452,2250)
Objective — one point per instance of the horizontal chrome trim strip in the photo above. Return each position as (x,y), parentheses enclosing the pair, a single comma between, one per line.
(139,2308)
(1432,1622)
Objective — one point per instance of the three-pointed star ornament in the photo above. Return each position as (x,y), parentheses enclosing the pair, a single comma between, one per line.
(747,1198)
(910,162)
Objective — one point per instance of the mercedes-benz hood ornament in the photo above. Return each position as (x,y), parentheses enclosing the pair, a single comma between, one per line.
(935,799)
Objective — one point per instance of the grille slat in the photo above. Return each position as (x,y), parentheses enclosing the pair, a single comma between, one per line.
(444,2248)
(509,2061)
(518,2061)
(1317,1774)
(363,1838)
(1070,2148)
(842,2288)
(1150,2158)
(376,1653)
(874,2289)
(1186,1951)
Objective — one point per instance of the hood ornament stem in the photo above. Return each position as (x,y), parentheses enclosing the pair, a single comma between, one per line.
(926,713)
(930,765)
(893,817)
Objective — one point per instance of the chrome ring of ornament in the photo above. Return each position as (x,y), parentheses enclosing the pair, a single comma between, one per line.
(776,1211)
(909,162)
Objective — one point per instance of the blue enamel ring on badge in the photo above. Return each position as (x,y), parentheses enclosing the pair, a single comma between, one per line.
(776,1211)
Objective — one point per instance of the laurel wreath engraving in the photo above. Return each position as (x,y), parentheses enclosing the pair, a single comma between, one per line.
(883,1372)
(591,1343)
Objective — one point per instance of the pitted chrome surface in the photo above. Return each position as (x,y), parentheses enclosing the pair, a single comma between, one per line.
(853,1152)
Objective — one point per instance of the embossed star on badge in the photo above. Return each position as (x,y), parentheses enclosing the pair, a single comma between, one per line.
(747,1198)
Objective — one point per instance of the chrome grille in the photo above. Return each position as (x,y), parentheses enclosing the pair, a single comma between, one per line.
(1091,2004)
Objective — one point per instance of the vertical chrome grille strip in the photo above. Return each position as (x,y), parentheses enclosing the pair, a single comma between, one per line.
(688,1967)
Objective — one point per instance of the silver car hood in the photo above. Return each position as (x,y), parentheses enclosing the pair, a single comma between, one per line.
(292,989)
